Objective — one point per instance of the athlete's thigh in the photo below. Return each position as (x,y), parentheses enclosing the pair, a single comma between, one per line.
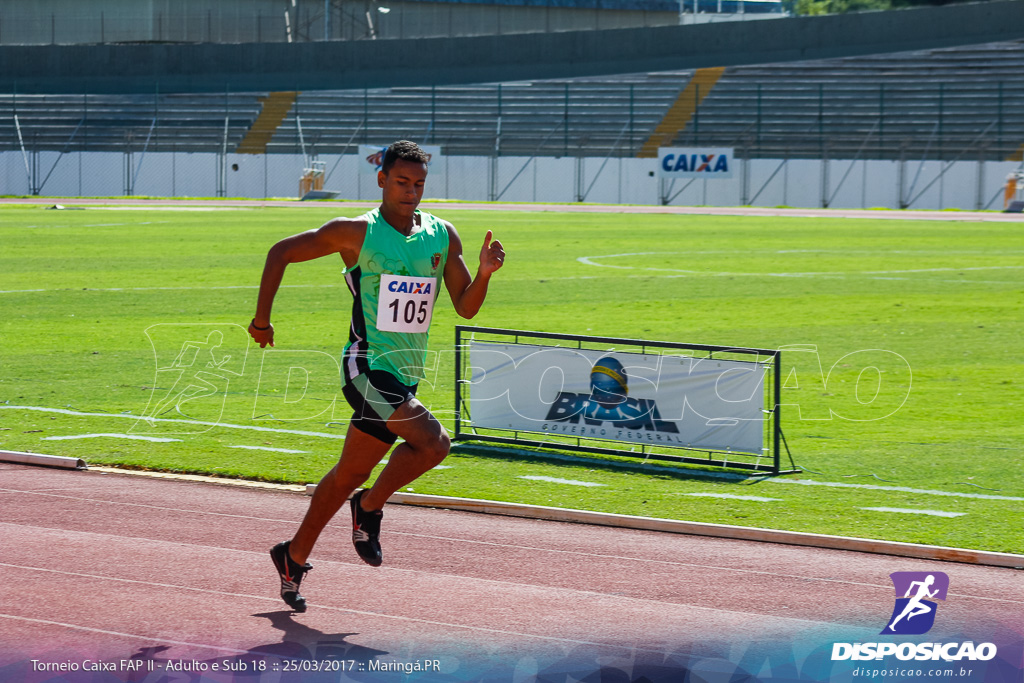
(415,424)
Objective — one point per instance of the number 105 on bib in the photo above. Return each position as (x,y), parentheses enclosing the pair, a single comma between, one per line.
(406,304)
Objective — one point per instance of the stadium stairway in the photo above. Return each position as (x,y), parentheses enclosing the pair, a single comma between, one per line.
(680,113)
(275,109)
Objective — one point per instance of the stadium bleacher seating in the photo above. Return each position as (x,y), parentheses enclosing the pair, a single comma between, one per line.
(934,104)
(186,123)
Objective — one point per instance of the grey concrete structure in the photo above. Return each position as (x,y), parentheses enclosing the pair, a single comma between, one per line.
(77,22)
(339,65)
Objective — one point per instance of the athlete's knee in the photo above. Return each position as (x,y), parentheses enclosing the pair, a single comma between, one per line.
(435,449)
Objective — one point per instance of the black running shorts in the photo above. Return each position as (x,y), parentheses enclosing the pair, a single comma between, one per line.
(375,396)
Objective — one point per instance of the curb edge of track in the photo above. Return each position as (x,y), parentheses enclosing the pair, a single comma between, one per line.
(556,514)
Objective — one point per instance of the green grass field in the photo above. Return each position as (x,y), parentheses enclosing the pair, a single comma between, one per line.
(94,301)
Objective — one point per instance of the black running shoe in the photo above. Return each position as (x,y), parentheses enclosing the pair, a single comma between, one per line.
(365,531)
(291,573)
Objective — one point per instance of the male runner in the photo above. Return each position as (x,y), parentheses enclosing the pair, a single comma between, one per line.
(393,256)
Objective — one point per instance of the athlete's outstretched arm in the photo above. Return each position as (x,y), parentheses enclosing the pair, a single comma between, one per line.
(341,235)
(467,292)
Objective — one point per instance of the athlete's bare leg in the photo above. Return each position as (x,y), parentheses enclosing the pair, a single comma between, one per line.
(359,456)
(426,446)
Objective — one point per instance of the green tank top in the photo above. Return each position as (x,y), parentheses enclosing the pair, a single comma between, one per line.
(394,286)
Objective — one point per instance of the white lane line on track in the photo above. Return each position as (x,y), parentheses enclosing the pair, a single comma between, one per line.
(556,480)
(124,635)
(908,511)
(692,565)
(461,578)
(139,418)
(319,607)
(144,505)
(131,437)
(901,489)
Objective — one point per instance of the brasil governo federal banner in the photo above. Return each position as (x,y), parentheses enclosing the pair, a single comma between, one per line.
(665,399)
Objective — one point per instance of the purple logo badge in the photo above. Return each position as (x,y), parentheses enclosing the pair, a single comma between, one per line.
(914,612)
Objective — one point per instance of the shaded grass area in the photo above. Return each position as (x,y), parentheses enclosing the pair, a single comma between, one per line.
(936,307)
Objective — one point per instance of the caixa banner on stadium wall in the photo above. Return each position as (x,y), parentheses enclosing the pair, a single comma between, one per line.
(372,156)
(695,162)
(668,398)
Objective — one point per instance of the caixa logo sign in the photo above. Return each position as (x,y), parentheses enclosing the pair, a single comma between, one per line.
(695,162)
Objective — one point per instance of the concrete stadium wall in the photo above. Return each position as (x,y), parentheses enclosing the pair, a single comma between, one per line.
(75,22)
(340,65)
(966,185)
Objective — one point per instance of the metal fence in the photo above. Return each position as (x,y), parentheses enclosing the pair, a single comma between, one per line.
(811,183)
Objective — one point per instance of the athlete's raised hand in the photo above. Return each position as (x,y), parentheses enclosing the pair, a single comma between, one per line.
(492,255)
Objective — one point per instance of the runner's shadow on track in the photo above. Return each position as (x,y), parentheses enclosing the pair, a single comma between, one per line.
(303,642)
(300,643)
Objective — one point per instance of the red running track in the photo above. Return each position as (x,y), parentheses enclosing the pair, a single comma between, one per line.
(101,568)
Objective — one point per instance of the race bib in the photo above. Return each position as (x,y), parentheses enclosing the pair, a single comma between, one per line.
(405,304)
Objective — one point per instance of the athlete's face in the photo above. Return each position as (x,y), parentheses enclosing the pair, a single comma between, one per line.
(403,186)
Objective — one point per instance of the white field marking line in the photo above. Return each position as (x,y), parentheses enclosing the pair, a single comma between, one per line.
(139,418)
(527,279)
(588,260)
(126,635)
(556,480)
(267,448)
(805,482)
(901,489)
(732,496)
(110,435)
(156,289)
(885,588)
(869,252)
(907,511)
(843,277)
(171,208)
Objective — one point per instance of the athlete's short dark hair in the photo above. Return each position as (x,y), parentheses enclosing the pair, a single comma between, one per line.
(406,150)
